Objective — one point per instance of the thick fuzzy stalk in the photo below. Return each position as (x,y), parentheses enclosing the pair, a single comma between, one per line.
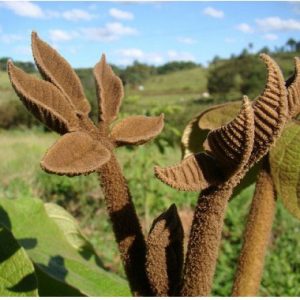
(204,241)
(126,226)
(256,237)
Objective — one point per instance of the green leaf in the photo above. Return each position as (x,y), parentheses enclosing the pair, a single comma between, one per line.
(17,277)
(285,167)
(197,129)
(51,251)
(71,230)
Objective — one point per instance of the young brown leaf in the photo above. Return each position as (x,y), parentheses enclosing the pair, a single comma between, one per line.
(293,87)
(74,154)
(194,173)
(43,100)
(270,110)
(231,144)
(57,70)
(165,253)
(109,91)
(137,130)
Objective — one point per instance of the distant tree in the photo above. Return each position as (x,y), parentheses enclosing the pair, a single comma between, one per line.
(265,50)
(291,43)
(176,66)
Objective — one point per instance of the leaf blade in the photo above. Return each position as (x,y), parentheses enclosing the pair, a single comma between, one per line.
(109,91)
(74,154)
(43,100)
(17,276)
(137,130)
(58,71)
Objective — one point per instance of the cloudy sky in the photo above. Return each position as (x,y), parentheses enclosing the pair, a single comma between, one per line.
(151,32)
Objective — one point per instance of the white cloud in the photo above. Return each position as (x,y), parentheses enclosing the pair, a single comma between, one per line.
(212,12)
(180,56)
(277,24)
(121,14)
(77,15)
(58,35)
(108,33)
(270,37)
(24,9)
(186,40)
(244,27)
(127,56)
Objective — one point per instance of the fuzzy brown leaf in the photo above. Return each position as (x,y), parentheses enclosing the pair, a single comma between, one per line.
(109,91)
(44,100)
(56,69)
(293,87)
(231,144)
(137,130)
(270,110)
(165,253)
(74,154)
(194,173)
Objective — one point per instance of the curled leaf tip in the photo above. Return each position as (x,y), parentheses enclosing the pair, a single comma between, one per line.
(270,110)
(194,173)
(231,144)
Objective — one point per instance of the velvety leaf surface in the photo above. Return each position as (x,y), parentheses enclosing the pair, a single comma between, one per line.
(197,129)
(285,167)
(109,90)
(17,277)
(43,100)
(57,70)
(137,130)
(74,154)
(48,247)
(232,144)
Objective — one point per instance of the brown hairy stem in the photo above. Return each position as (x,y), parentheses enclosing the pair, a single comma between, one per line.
(204,241)
(126,226)
(256,236)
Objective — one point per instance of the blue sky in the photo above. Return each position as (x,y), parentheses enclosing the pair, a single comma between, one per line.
(151,32)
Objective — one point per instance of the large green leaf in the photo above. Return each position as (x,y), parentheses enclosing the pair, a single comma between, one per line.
(197,129)
(285,167)
(17,277)
(51,252)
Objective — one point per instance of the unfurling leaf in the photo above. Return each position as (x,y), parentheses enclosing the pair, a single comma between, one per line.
(194,173)
(74,154)
(58,71)
(270,110)
(109,91)
(44,100)
(231,145)
(293,87)
(285,167)
(164,259)
(195,132)
(137,130)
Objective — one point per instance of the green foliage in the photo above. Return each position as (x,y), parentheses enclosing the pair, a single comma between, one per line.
(17,277)
(29,67)
(48,246)
(285,166)
(176,66)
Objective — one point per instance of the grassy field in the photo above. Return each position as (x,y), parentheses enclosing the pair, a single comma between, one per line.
(21,176)
(179,96)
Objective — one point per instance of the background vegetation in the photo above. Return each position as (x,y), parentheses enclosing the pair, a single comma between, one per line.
(181,90)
